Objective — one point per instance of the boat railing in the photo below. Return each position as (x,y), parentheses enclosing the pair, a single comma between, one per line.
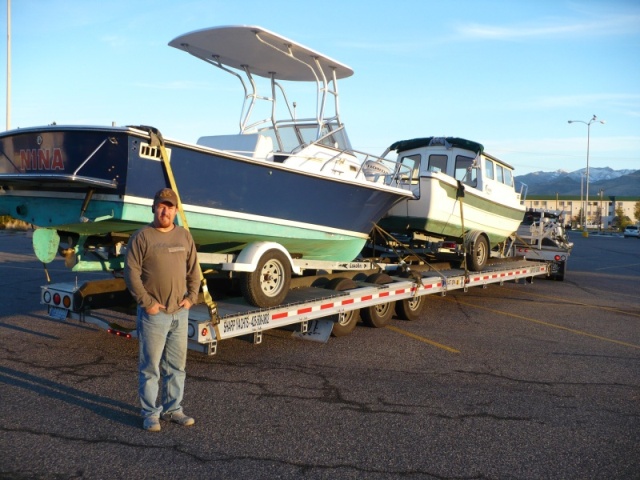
(374,168)
(383,170)
(57,179)
(524,188)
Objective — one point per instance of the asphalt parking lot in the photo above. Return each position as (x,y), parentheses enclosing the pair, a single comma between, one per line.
(523,381)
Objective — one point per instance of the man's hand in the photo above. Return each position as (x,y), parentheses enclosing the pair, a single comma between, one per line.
(186,304)
(155,308)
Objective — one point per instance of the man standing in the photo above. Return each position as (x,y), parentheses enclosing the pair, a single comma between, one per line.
(161,272)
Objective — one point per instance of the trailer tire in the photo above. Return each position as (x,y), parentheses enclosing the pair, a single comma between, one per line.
(347,324)
(268,285)
(378,316)
(411,308)
(478,253)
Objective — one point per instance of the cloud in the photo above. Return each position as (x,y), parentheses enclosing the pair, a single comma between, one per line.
(616,24)
(629,102)
(567,145)
(549,154)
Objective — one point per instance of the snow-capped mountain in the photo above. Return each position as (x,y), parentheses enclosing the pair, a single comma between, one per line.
(624,183)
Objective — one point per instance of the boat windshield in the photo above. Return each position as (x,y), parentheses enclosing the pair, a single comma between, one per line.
(292,136)
(465,170)
(438,163)
(508,177)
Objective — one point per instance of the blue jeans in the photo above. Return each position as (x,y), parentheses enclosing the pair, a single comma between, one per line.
(163,351)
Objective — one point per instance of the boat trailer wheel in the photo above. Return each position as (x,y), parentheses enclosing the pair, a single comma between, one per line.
(268,285)
(479,253)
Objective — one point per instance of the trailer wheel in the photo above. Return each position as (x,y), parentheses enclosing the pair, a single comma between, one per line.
(411,308)
(347,322)
(479,253)
(379,315)
(268,285)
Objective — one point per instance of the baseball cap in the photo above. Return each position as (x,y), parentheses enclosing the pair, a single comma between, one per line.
(166,195)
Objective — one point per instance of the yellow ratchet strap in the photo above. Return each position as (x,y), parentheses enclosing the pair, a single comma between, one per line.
(459,197)
(157,140)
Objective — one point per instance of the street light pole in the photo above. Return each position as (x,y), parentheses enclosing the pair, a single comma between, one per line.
(582,201)
(601,216)
(588,124)
(8,120)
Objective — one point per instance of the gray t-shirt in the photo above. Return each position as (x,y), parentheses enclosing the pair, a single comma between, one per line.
(162,267)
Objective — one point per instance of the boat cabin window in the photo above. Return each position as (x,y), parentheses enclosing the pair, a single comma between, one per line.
(500,173)
(465,171)
(488,169)
(438,163)
(412,163)
(508,177)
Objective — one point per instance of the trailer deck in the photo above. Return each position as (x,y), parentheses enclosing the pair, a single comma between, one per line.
(324,306)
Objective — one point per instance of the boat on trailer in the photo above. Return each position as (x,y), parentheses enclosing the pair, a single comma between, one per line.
(542,236)
(289,182)
(465,199)
(544,228)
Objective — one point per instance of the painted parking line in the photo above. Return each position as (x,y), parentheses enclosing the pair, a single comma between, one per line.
(582,304)
(613,267)
(548,324)
(422,339)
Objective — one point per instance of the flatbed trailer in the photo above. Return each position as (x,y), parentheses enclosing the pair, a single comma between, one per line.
(556,258)
(333,306)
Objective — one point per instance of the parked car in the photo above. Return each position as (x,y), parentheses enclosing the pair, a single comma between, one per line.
(631,231)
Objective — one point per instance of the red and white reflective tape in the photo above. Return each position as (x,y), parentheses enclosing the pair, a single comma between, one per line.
(348,301)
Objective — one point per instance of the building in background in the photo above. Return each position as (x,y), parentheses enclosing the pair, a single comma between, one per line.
(600,211)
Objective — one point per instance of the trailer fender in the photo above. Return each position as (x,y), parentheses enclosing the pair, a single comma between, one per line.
(247,260)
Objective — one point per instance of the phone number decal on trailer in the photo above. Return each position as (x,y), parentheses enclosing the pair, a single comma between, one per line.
(251,323)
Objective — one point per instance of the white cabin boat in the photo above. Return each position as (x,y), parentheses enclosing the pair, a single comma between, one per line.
(462,194)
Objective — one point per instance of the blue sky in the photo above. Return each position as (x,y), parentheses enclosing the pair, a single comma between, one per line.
(508,74)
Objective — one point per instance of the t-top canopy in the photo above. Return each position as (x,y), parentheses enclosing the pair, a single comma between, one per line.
(262,51)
